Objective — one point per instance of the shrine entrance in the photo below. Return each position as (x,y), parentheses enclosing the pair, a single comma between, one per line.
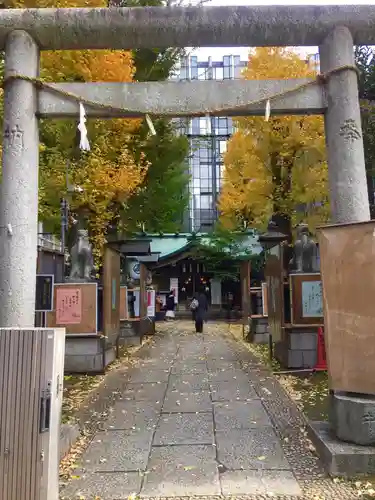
(25,32)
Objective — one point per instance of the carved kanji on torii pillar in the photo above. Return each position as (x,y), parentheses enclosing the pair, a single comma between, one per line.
(24,33)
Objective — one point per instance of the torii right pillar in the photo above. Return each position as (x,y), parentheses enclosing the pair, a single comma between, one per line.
(348,196)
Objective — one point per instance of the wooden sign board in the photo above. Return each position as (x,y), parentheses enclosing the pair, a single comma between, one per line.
(275,292)
(264,300)
(75,308)
(306,299)
(347,254)
(151,297)
(123,303)
(111,293)
(44,292)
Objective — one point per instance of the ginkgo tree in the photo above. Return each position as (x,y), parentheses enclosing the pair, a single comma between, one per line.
(276,166)
(109,174)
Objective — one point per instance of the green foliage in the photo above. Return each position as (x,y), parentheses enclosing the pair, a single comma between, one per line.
(365,60)
(222,250)
(276,166)
(161,203)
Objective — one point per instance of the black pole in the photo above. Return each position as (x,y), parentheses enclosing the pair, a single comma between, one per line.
(64,219)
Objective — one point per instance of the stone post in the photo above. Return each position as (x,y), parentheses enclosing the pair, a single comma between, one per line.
(352,415)
(19,186)
(346,161)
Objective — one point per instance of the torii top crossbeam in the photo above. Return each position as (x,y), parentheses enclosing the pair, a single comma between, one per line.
(127,28)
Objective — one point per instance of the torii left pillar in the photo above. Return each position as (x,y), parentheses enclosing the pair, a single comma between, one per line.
(19,185)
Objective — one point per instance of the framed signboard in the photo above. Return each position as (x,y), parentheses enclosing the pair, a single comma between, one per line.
(151,295)
(123,303)
(306,299)
(44,292)
(76,308)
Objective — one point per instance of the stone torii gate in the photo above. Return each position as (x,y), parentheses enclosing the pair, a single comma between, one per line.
(24,33)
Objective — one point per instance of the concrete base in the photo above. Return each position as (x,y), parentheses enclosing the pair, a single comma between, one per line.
(136,328)
(133,340)
(260,338)
(298,349)
(85,355)
(260,333)
(341,459)
(353,418)
(69,433)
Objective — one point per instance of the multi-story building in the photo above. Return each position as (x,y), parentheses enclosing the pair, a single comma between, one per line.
(208,138)
(314,61)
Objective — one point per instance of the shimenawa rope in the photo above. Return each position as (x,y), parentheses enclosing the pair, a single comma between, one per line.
(39,83)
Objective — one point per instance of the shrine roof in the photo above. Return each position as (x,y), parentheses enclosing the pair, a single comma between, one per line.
(172,245)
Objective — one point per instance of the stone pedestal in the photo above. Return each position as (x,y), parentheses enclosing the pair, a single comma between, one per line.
(341,459)
(353,418)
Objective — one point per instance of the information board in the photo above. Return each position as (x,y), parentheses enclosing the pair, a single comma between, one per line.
(68,306)
(306,299)
(312,299)
(151,303)
(44,292)
(174,288)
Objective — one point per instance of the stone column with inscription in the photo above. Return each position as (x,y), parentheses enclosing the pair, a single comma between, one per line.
(19,186)
(352,415)
(346,161)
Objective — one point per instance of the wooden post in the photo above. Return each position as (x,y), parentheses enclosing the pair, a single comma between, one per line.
(142,291)
(111,294)
(245,267)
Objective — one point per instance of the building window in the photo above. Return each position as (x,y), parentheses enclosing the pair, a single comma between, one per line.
(194,67)
(206,201)
(184,71)
(207,150)
(227,67)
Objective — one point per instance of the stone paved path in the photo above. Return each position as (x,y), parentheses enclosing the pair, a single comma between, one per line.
(200,416)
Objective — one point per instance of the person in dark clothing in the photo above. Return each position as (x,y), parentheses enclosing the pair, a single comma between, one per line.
(170,306)
(230,305)
(131,305)
(193,307)
(201,312)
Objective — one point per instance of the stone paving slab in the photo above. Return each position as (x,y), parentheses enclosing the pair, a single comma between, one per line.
(107,486)
(240,415)
(214,365)
(152,392)
(222,355)
(186,367)
(142,375)
(181,471)
(223,375)
(250,449)
(136,415)
(118,451)
(183,386)
(255,482)
(189,382)
(232,390)
(187,402)
(185,428)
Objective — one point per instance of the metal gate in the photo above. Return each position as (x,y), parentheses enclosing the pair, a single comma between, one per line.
(31,383)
